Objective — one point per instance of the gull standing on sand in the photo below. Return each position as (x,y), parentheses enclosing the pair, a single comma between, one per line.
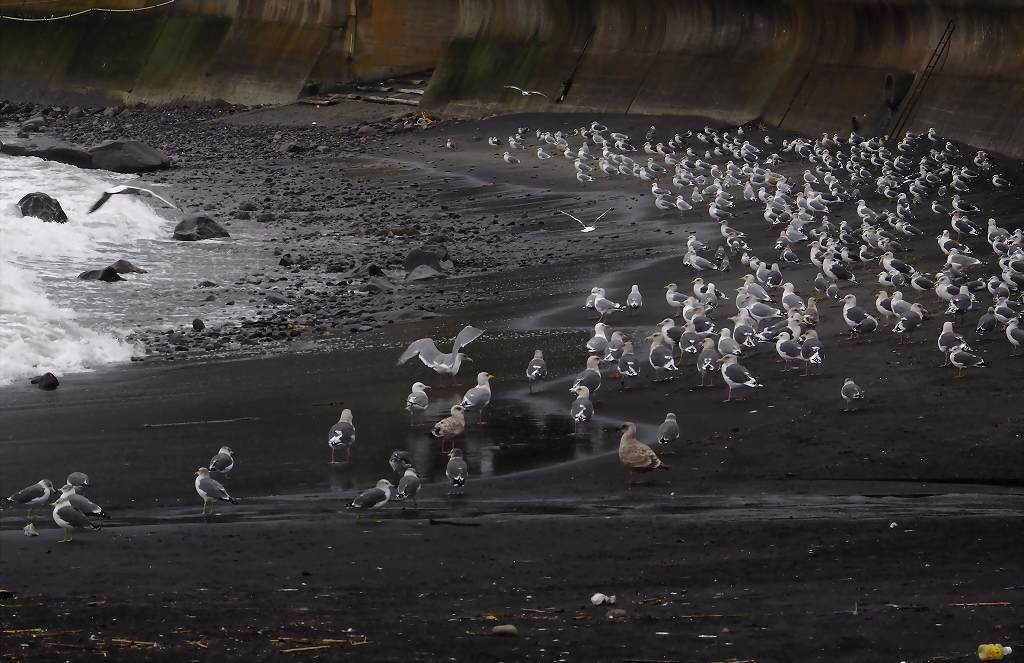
(537,369)
(850,392)
(1014,334)
(442,363)
(80,480)
(372,498)
(68,517)
(949,339)
(635,455)
(598,343)
(961,359)
(479,397)
(708,358)
(634,300)
(129,190)
(417,401)
(581,410)
(787,349)
(451,426)
(603,305)
(223,461)
(812,351)
(210,490)
(400,461)
(457,471)
(668,431)
(37,494)
(589,377)
(509,159)
(408,486)
(82,503)
(736,375)
(342,434)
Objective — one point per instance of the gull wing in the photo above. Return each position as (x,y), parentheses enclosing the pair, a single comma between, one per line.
(101,202)
(465,337)
(214,489)
(26,495)
(425,348)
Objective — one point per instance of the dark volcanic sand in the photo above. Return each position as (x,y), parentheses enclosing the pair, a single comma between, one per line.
(785,529)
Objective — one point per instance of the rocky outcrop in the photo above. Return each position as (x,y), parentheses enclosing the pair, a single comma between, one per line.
(127,156)
(195,228)
(42,206)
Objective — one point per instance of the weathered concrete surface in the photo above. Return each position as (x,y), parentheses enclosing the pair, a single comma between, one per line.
(242,51)
(807,65)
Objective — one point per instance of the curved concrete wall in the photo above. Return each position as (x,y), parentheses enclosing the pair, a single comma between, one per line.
(245,51)
(807,65)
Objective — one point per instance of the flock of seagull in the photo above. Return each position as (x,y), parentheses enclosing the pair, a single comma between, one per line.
(802,211)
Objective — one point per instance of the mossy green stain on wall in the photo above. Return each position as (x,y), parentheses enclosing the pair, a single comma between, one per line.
(182,52)
(113,49)
(485,66)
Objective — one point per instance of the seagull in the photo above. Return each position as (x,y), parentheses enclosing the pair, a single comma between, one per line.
(408,486)
(451,426)
(537,369)
(850,392)
(788,349)
(589,377)
(82,503)
(812,351)
(635,455)
(736,375)
(634,300)
(478,397)
(68,517)
(400,461)
(342,434)
(709,356)
(582,409)
(1014,334)
(36,494)
(962,359)
(210,490)
(949,339)
(526,93)
(603,305)
(417,400)
(668,431)
(129,190)
(80,480)
(457,471)
(222,461)
(440,362)
(586,228)
(509,159)
(373,498)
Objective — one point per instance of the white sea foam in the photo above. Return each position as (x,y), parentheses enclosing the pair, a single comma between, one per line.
(39,263)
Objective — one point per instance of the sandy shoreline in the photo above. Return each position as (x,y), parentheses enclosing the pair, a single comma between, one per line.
(786,530)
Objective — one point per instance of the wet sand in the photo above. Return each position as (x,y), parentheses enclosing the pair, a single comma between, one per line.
(786,529)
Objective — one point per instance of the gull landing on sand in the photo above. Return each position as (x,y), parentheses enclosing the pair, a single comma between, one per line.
(586,228)
(130,190)
(526,93)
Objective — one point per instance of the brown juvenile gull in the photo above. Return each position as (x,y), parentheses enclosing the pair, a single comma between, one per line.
(342,434)
(210,490)
(68,517)
(450,427)
(457,471)
(442,363)
(36,494)
(223,461)
(635,455)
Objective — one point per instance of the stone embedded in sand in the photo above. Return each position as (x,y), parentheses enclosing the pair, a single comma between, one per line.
(432,255)
(42,206)
(198,325)
(128,156)
(422,273)
(505,630)
(46,381)
(199,227)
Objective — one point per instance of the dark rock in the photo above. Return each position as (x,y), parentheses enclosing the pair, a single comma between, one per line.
(46,381)
(49,149)
(42,206)
(111,111)
(198,325)
(248,206)
(291,147)
(276,298)
(365,130)
(33,123)
(241,214)
(206,284)
(108,274)
(265,217)
(125,267)
(287,260)
(128,156)
(75,112)
(422,273)
(377,285)
(194,228)
(431,255)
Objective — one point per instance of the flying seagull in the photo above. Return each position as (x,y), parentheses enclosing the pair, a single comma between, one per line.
(587,228)
(443,363)
(526,93)
(131,190)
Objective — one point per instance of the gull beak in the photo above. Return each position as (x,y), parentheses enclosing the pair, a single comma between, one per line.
(426,386)
(465,358)
(492,377)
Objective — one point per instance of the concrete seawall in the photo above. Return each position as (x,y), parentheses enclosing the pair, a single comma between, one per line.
(805,65)
(245,51)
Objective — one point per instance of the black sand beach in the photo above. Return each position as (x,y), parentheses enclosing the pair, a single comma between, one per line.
(786,530)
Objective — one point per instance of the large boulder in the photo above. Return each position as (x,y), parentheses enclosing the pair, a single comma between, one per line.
(432,255)
(194,228)
(108,274)
(50,150)
(42,206)
(124,267)
(46,381)
(127,156)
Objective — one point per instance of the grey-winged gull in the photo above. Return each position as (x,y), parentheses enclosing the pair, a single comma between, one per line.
(223,461)
(962,359)
(478,397)
(812,351)
(400,461)
(408,487)
(708,358)
(342,434)
(788,349)
(589,377)
(856,318)
(635,455)
(417,401)
(457,471)
(660,356)
(1014,334)
(949,339)
(634,300)
(668,431)
(69,518)
(80,480)
(603,305)
(81,502)
(37,494)
(129,190)
(537,369)
(628,366)
(736,375)
(850,392)
(598,343)
(372,498)
(582,409)
(442,363)
(210,490)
